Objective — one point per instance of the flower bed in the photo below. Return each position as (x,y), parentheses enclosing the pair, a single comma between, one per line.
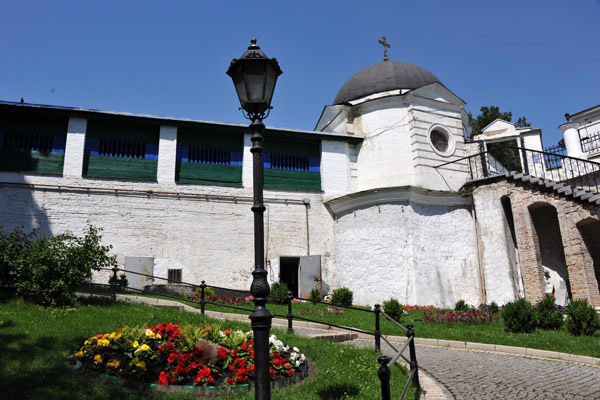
(470,317)
(168,354)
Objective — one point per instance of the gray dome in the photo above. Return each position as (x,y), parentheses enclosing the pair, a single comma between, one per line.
(384,76)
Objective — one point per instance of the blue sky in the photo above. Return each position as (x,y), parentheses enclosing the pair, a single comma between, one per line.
(534,58)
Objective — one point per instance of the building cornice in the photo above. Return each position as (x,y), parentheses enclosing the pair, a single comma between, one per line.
(398,194)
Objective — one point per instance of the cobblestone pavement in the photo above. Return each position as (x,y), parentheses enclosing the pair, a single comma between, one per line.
(469,374)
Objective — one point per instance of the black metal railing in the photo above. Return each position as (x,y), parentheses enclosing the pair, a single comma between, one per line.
(575,172)
(554,155)
(113,288)
(591,144)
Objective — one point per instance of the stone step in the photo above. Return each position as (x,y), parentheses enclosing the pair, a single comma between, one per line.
(336,337)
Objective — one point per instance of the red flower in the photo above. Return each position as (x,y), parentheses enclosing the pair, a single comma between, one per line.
(227,332)
(163,379)
(230,381)
(172,358)
(222,353)
(291,372)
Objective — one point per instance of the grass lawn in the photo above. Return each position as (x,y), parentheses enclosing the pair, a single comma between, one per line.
(491,333)
(35,342)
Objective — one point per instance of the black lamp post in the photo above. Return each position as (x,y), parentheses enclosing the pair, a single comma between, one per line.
(254,76)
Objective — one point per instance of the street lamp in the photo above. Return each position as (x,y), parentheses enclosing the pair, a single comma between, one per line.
(254,76)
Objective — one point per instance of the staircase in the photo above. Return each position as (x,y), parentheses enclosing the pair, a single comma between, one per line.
(566,190)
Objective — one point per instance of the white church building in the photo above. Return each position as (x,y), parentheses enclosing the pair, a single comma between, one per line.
(386,196)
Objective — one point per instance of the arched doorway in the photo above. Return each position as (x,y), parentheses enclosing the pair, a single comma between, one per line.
(547,229)
(589,229)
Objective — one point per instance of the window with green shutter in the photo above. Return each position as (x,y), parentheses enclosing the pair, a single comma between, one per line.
(210,158)
(32,143)
(121,151)
(292,164)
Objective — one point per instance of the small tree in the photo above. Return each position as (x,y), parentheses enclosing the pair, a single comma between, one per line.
(53,267)
(519,316)
(582,318)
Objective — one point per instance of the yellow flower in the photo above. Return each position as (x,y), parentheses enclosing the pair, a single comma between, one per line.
(145,347)
(136,344)
(135,361)
(103,342)
(157,336)
(98,359)
(141,364)
(149,333)
(79,354)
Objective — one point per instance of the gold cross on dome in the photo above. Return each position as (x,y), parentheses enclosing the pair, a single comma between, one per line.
(385,47)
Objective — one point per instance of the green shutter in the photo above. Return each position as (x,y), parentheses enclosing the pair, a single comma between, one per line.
(31,161)
(208,174)
(121,167)
(295,180)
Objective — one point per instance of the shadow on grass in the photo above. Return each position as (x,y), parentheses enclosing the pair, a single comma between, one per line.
(39,370)
(337,391)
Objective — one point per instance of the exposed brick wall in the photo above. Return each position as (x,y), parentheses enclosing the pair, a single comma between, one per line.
(578,259)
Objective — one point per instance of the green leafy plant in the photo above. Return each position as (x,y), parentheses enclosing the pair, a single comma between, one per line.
(548,314)
(120,281)
(493,308)
(342,296)
(315,295)
(279,292)
(13,248)
(519,316)
(52,268)
(393,308)
(461,305)
(582,318)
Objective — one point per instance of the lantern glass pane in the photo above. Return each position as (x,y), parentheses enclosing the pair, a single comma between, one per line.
(255,80)
(237,75)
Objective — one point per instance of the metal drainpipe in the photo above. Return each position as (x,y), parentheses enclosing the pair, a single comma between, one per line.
(479,261)
(306,204)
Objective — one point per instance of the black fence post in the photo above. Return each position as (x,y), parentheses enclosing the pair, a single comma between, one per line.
(384,374)
(290,316)
(414,366)
(377,328)
(113,283)
(202,298)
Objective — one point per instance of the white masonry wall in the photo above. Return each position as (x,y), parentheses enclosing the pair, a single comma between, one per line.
(418,254)
(205,230)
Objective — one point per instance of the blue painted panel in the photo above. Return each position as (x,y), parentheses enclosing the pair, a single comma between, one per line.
(266,160)
(314,164)
(92,146)
(151,151)
(1,139)
(237,158)
(58,144)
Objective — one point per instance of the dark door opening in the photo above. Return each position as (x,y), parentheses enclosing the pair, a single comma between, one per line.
(288,273)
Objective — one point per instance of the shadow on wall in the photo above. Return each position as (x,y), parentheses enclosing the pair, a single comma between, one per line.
(20,209)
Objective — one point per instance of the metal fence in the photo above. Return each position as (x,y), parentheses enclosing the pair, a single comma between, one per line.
(575,172)
(384,372)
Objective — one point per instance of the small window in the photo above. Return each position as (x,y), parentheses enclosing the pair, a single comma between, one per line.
(174,276)
(441,141)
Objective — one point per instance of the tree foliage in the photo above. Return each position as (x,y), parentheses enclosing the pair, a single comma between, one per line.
(489,115)
(48,269)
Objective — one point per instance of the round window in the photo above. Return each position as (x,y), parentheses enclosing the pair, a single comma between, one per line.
(439,140)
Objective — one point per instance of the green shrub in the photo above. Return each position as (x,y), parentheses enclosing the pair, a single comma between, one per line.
(13,248)
(120,281)
(493,308)
(393,308)
(279,292)
(342,296)
(207,291)
(461,305)
(519,316)
(315,295)
(53,267)
(582,318)
(548,315)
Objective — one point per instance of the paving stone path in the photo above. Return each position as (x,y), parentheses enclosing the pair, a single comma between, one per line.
(471,374)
